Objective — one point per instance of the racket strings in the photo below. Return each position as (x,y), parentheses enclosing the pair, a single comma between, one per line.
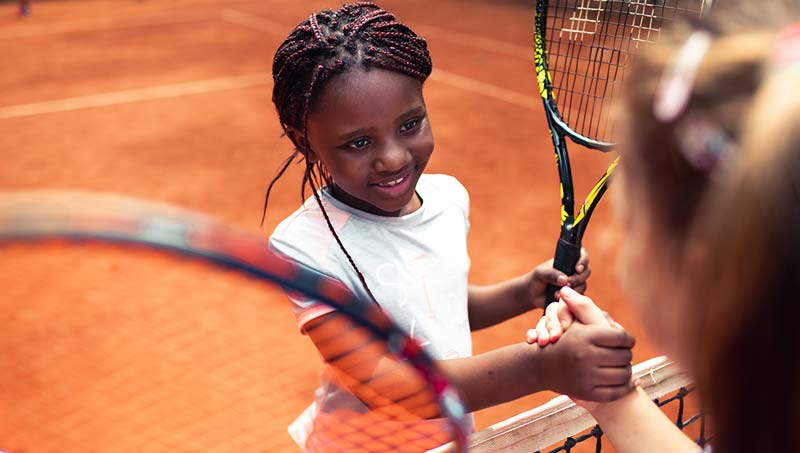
(130,350)
(588,45)
(134,326)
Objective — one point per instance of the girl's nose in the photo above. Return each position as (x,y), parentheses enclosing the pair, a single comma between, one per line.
(392,158)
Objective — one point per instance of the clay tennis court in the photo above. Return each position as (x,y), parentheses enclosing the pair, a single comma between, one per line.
(170,100)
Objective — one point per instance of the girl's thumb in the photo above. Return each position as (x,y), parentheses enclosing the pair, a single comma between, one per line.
(582,307)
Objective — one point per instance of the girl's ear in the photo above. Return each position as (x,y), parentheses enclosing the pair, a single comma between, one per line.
(301,144)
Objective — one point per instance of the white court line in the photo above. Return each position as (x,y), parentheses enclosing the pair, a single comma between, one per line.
(258,23)
(476,42)
(104,25)
(427,31)
(255,22)
(486,89)
(227,83)
(230,83)
(135,95)
(109,24)
(439,75)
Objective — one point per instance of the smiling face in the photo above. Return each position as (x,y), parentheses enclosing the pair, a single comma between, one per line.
(370,129)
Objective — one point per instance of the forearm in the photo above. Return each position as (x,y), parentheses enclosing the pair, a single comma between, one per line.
(634,424)
(498,376)
(485,380)
(493,304)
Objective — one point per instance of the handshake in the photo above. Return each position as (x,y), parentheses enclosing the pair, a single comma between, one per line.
(589,353)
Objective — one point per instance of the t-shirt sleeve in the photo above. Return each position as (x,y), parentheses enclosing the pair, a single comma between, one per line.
(293,244)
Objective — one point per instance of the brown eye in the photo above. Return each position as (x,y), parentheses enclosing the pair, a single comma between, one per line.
(409,125)
(359,143)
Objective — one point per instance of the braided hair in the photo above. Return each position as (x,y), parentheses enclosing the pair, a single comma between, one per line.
(328,43)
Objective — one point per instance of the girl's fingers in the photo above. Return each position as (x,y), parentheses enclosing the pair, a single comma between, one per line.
(582,307)
(565,316)
(533,336)
(583,262)
(556,277)
(556,319)
(546,273)
(581,288)
(552,323)
(543,331)
(579,279)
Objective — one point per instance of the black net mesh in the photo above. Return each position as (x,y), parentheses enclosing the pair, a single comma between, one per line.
(683,410)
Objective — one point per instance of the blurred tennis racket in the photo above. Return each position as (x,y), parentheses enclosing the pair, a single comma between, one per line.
(134,326)
(581,50)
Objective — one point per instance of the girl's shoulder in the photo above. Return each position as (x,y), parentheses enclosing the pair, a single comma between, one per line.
(303,236)
(308,220)
(441,180)
(445,187)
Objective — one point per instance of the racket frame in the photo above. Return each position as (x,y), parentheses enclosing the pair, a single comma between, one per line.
(568,247)
(173,231)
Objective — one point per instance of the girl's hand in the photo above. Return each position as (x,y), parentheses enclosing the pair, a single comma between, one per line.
(591,362)
(545,274)
(556,319)
(585,311)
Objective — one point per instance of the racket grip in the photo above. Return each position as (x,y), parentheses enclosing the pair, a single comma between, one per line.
(566,257)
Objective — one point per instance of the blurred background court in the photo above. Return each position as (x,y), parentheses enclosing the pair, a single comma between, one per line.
(171,100)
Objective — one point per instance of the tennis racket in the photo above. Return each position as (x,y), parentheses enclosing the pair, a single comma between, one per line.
(581,50)
(94,360)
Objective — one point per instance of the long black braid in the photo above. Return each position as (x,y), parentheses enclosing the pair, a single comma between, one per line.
(357,35)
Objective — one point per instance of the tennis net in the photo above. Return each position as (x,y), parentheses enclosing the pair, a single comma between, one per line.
(562,426)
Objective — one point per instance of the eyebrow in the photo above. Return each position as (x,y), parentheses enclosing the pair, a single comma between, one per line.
(352,134)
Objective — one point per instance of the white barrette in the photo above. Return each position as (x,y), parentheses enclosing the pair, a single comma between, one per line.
(676,83)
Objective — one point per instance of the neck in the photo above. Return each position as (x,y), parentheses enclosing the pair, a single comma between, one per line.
(346,198)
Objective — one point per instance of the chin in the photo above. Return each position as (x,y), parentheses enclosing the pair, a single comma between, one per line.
(396,205)
(393,208)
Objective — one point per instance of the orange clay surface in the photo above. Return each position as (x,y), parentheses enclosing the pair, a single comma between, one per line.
(170,100)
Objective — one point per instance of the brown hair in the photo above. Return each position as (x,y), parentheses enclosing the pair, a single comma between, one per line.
(735,229)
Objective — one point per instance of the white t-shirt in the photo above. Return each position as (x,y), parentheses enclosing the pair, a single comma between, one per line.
(416,266)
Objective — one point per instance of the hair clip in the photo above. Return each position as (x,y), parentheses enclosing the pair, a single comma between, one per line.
(704,144)
(675,87)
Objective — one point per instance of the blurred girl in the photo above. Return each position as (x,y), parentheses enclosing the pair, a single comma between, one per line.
(710,189)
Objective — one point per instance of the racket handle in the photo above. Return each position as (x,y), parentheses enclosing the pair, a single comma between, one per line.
(567,256)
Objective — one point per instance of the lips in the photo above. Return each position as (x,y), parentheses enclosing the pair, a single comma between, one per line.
(392,183)
(394,180)
(396,185)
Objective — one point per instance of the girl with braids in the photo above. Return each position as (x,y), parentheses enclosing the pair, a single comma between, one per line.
(711,161)
(348,90)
